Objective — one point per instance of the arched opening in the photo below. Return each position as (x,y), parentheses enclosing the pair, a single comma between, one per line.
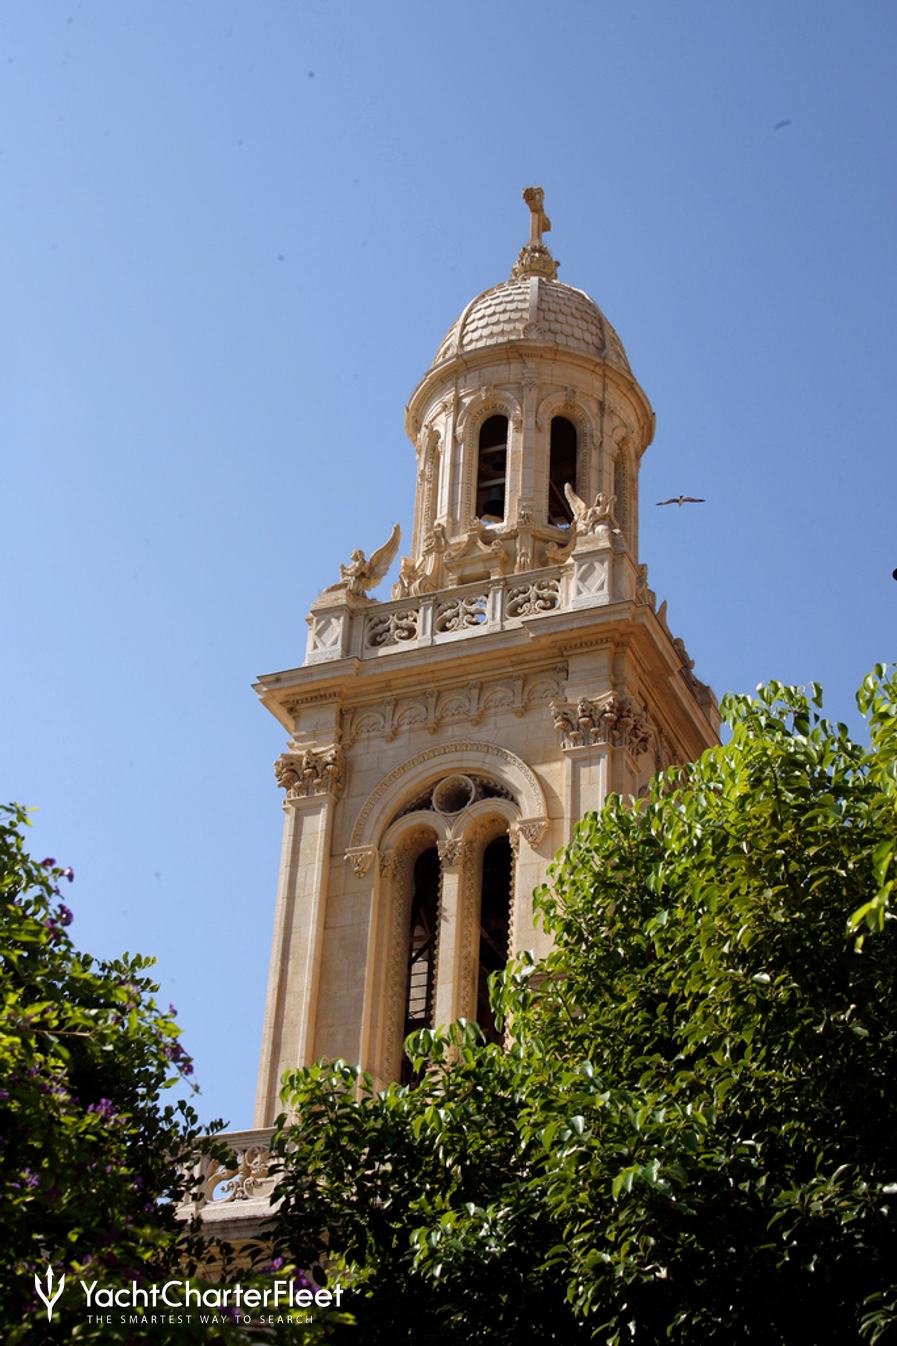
(492,469)
(561,469)
(421,975)
(495,914)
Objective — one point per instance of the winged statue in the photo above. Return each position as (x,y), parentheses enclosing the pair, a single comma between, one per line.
(362,574)
(586,517)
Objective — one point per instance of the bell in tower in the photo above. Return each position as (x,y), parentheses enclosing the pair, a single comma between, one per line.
(443,743)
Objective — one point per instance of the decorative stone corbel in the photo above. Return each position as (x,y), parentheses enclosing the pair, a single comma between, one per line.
(361,858)
(531,829)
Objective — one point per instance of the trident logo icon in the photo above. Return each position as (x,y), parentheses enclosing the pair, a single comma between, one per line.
(48,1295)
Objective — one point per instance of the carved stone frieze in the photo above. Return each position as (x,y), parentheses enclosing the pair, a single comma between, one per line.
(613,721)
(311,772)
(454,705)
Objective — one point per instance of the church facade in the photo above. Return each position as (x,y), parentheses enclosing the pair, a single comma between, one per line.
(441,745)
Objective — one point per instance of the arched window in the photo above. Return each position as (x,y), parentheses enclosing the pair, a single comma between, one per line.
(495,911)
(492,469)
(561,469)
(421,978)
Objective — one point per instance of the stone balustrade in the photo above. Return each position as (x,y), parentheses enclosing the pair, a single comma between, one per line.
(237,1195)
(341,626)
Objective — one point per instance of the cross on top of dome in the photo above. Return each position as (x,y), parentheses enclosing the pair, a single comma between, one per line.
(534,258)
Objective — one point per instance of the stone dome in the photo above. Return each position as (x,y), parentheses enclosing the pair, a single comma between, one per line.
(534,308)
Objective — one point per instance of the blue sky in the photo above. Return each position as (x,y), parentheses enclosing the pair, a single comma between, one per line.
(234,235)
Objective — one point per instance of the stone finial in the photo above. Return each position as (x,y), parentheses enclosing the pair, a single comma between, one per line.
(534,258)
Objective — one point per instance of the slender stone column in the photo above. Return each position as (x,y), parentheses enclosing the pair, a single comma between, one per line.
(313,780)
(452,854)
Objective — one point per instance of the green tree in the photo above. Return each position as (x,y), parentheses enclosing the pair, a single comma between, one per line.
(93,1163)
(692,1134)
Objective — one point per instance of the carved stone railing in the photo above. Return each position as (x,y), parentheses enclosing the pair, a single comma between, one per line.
(235,1191)
(339,631)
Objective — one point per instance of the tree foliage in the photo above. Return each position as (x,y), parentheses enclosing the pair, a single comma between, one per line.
(93,1162)
(691,1136)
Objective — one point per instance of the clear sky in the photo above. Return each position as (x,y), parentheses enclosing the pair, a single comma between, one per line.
(233,236)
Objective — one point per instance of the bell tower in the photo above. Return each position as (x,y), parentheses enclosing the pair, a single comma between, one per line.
(442,744)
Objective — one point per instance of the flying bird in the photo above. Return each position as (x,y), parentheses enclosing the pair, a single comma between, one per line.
(684,500)
(779,125)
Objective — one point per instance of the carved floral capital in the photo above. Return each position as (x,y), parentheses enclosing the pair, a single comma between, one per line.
(311,772)
(451,852)
(613,722)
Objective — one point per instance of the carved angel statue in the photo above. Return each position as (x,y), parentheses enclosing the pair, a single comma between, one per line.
(588,517)
(362,574)
(413,579)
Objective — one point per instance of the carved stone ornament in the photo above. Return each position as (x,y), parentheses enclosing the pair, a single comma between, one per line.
(588,519)
(614,722)
(311,773)
(531,829)
(362,574)
(361,858)
(451,852)
(534,258)
(250,1179)
(389,864)
(468,703)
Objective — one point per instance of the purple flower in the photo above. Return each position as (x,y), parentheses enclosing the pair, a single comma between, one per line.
(175,1053)
(105,1108)
(276,1265)
(68,873)
(48,863)
(64,914)
(30,1179)
(4,1094)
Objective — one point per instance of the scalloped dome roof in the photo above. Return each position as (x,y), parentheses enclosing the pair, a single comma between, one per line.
(534,308)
